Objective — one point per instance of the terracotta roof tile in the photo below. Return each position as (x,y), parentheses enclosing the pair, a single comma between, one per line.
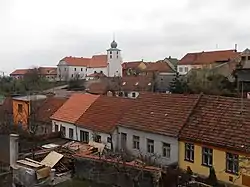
(19,72)
(159,66)
(104,113)
(208,57)
(76,61)
(97,61)
(47,70)
(74,107)
(132,64)
(48,108)
(136,83)
(219,121)
(159,113)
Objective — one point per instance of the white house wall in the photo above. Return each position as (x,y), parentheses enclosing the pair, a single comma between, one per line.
(77,129)
(184,69)
(98,70)
(158,141)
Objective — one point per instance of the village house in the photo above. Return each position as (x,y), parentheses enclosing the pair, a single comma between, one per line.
(217,135)
(78,67)
(24,108)
(208,59)
(150,128)
(44,112)
(49,73)
(127,86)
(99,121)
(133,68)
(86,117)
(65,118)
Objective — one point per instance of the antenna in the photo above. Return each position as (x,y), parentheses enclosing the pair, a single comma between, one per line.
(235,47)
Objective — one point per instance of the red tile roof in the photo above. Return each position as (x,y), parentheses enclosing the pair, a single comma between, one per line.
(48,108)
(159,66)
(132,65)
(208,57)
(136,83)
(74,107)
(19,72)
(47,70)
(159,113)
(98,88)
(104,113)
(219,121)
(97,61)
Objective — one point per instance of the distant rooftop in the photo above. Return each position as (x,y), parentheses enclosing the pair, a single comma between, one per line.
(30,97)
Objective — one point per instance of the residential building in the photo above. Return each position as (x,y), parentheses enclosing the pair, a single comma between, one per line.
(65,118)
(24,108)
(217,135)
(49,73)
(78,67)
(132,68)
(128,86)
(99,122)
(209,60)
(150,128)
(44,112)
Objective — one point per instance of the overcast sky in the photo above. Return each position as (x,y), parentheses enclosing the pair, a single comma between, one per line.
(41,32)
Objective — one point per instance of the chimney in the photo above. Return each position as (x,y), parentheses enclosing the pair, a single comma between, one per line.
(235,47)
(13,149)
(169,57)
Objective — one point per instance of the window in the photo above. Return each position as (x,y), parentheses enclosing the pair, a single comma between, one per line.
(75,69)
(120,94)
(243,58)
(186,69)
(126,94)
(65,69)
(109,140)
(133,94)
(71,133)
(63,130)
(248,58)
(72,75)
(180,69)
(81,69)
(136,142)
(166,150)
(20,108)
(110,52)
(97,138)
(84,136)
(56,128)
(207,156)
(123,139)
(110,56)
(150,146)
(232,163)
(189,152)
(117,52)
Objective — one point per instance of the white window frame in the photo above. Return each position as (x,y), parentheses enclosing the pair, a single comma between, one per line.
(166,150)
(189,152)
(150,146)
(207,156)
(136,142)
(234,160)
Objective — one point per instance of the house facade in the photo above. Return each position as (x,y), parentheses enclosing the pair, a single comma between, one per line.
(216,135)
(149,129)
(78,67)
(209,60)
(48,73)
(24,107)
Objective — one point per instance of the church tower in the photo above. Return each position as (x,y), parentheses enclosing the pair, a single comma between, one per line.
(114,60)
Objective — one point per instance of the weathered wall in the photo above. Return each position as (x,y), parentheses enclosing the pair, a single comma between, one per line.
(5,149)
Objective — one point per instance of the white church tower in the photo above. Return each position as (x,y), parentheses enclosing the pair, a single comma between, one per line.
(114,60)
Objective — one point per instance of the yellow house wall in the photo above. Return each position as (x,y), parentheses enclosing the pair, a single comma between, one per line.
(21,116)
(219,164)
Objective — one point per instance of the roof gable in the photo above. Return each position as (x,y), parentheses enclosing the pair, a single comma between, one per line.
(74,107)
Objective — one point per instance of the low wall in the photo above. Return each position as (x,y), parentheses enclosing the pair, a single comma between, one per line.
(112,173)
